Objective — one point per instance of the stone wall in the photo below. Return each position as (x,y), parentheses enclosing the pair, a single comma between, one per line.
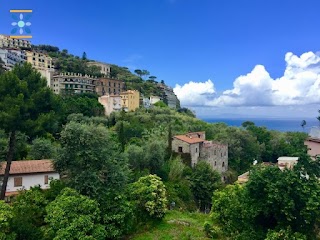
(216,155)
(192,149)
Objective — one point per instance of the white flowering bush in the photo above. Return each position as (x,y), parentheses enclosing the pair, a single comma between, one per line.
(149,194)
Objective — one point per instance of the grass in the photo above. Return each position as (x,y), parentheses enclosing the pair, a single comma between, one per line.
(176,225)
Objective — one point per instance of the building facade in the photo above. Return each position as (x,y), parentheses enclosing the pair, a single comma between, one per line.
(154,99)
(27,174)
(109,86)
(111,103)
(130,100)
(7,42)
(40,61)
(313,142)
(199,149)
(287,162)
(71,83)
(105,68)
(11,57)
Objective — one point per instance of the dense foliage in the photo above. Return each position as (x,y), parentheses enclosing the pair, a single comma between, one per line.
(118,173)
(274,204)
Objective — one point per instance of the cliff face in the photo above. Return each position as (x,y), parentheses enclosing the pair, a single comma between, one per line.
(169,96)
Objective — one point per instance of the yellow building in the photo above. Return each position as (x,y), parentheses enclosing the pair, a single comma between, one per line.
(7,42)
(130,100)
(40,61)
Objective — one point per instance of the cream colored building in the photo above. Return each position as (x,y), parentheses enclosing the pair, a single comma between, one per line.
(130,100)
(111,103)
(70,83)
(7,42)
(105,68)
(287,162)
(40,61)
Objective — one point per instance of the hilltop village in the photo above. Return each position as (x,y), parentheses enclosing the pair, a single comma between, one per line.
(95,77)
(89,150)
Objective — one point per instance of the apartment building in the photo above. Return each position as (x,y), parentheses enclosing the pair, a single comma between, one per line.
(105,67)
(39,61)
(71,83)
(7,42)
(111,103)
(130,100)
(10,57)
(109,86)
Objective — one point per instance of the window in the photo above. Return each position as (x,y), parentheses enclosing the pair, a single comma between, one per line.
(180,149)
(215,163)
(222,164)
(221,154)
(196,150)
(46,179)
(215,152)
(18,181)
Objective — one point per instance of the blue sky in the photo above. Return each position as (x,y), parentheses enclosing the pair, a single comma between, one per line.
(183,41)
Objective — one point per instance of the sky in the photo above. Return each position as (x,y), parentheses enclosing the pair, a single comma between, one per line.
(224,58)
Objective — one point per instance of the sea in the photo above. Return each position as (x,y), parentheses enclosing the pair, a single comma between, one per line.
(282,125)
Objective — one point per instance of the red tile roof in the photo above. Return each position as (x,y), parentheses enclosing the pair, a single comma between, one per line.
(190,140)
(28,166)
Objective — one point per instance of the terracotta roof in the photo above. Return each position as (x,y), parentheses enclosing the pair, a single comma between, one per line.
(28,166)
(190,140)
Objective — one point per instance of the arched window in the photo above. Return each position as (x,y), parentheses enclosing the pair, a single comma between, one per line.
(222,164)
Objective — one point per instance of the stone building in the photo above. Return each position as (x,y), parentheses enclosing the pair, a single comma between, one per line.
(109,86)
(198,148)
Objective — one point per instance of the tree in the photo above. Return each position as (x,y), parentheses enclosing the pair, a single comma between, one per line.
(204,181)
(91,159)
(6,216)
(42,148)
(160,104)
(152,78)
(74,216)
(149,196)
(155,152)
(303,124)
(274,204)
(29,212)
(138,72)
(2,64)
(26,105)
(145,73)
(84,56)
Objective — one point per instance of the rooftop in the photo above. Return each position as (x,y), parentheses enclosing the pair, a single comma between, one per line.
(28,166)
(189,139)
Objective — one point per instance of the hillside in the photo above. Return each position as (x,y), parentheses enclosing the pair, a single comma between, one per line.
(175,226)
(66,62)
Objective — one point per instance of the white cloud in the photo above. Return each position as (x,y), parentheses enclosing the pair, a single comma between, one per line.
(195,93)
(299,85)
